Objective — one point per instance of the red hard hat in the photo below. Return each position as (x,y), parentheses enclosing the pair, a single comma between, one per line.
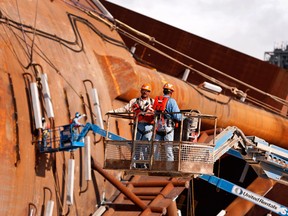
(169,86)
(146,87)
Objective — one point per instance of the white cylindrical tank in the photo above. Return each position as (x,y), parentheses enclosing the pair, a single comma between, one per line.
(36,105)
(87,159)
(70,182)
(49,208)
(46,95)
(97,108)
(186,74)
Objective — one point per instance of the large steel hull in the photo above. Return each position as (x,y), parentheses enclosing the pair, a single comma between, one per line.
(55,38)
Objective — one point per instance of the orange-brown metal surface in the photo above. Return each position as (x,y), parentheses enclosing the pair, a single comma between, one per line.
(240,206)
(40,32)
(70,46)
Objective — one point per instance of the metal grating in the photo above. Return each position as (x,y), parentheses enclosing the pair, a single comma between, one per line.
(197,153)
(118,150)
(194,157)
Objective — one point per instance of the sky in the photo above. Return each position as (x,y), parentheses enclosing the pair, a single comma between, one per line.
(252,27)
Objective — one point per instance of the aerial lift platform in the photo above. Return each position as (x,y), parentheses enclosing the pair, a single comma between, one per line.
(194,156)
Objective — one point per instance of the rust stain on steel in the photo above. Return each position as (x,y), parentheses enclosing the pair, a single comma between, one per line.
(65,69)
(115,67)
(7,146)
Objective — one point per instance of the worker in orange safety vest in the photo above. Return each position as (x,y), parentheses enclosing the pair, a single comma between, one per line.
(143,109)
(168,116)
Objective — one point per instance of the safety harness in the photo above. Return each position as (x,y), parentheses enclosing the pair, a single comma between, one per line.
(160,103)
(147,118)
(159,107)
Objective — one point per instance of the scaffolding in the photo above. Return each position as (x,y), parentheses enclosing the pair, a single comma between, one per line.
(278,57)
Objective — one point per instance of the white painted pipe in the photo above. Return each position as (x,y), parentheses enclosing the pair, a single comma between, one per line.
(221,213)
(49,208)
(46,95)
(99,211)
(87,159)
(96,104)
(31,213)
(211,87)
(186,74)
(70,182)
(104,11)
(133,49)
(36,105)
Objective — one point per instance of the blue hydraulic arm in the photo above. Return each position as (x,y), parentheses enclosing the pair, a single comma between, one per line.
(224,137)
(225,141)
(98,130)
(246,194)
(77,139)
(65,138)
(273,160)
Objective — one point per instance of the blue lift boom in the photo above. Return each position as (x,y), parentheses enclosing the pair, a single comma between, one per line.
(65,138)
(246,194)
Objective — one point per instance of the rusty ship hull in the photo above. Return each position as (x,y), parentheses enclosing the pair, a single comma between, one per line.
(78,49)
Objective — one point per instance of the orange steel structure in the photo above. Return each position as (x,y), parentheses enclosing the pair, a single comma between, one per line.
(71,42)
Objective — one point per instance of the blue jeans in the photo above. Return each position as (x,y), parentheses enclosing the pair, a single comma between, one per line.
(165,135)
(144,132)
